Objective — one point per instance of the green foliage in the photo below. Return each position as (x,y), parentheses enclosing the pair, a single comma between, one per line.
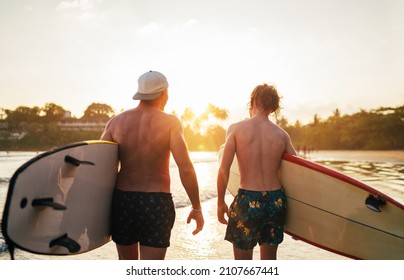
(53,112)
(40,129)
(98,112)
(21,116)
(378,129)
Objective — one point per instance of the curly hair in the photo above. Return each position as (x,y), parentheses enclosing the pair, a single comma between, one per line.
(265,97)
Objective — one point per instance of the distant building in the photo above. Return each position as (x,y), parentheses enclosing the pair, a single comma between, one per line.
(4,135)
(81,126)
(67,115)
(16,135)
(3,125)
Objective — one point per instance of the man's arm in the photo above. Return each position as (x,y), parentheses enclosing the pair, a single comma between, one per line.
(223,175)
(187,174)
(289,146)
(106,134)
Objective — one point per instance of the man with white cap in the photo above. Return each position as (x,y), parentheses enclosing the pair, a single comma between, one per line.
(143,212)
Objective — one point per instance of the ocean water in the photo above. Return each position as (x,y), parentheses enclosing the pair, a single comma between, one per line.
(382,170)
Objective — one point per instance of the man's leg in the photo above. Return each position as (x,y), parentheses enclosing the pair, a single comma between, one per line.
(128,252)
(268,252)
(240,254)
(151,253)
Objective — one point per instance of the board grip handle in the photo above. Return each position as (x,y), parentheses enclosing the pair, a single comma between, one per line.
(77,162)
(48,201)
(65,241)
(374,203)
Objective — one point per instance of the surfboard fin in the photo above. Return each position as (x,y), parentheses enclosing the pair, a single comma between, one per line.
(65,241)
(374,203)
(47,201)
(77,162)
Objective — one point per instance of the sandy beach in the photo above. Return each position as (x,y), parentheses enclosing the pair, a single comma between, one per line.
(209,244)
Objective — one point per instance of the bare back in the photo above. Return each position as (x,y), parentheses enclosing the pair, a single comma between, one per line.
(259,145)
(143,135)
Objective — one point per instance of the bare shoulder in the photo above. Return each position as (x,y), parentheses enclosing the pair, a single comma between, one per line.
(280,131)
(117,118)
(111,122)
(288,141)
(171,119)
(237,126)
(123,115)
(112,126)
(169,123)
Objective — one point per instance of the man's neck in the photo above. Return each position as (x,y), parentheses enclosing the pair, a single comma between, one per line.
(260,114)
(150,104)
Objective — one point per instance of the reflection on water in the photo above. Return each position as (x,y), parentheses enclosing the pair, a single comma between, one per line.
(381,170)
(386,177)
(208,244)
(206,166)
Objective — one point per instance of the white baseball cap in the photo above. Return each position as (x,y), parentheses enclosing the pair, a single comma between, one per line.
(150,85)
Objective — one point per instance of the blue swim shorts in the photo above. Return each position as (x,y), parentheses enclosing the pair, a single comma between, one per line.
(256,217)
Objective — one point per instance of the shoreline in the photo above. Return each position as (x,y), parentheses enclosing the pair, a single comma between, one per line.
(209,244)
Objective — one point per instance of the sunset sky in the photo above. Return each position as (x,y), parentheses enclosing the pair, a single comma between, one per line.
(321,54)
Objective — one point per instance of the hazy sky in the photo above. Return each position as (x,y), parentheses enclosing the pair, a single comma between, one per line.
(322,55)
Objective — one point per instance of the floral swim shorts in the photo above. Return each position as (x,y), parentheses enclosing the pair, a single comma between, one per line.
(256,217)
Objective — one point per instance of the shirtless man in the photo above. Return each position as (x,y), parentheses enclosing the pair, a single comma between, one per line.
(257,214)
(143,212)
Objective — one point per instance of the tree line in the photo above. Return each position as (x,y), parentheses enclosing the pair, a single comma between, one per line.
(376,129)
(39,128)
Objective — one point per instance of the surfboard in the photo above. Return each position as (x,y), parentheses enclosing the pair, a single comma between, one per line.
(58,203)
(336,212)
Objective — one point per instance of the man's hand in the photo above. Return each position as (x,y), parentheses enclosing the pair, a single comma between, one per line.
(198,217)
(222,209)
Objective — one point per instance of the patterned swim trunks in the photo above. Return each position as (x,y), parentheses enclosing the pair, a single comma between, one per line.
(142,217)
(256,217)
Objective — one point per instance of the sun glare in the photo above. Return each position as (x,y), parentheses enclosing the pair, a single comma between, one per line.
(179,107)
